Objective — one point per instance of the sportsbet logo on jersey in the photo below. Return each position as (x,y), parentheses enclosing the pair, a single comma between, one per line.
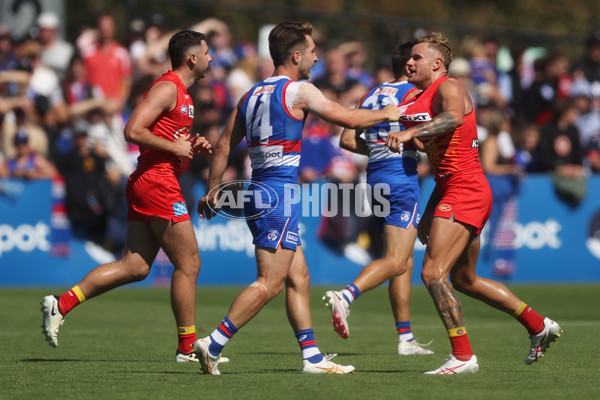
(247,199)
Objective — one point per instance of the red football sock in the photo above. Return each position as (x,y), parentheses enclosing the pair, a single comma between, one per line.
(461,347)
(70,299)
(187,337)
(532,321)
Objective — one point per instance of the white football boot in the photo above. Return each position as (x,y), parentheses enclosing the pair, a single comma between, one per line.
(339,312)
(208,362)
(191,357)
(326,366)
(454,366)
(408,348)
(541,342)
(52,320)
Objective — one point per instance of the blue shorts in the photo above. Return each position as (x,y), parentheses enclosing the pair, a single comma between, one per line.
(403,206)
(271,222)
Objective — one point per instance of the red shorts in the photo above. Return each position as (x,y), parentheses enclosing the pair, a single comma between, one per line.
(155,194)
(467,197)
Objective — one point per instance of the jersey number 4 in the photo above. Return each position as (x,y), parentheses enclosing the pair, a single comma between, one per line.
(259,119)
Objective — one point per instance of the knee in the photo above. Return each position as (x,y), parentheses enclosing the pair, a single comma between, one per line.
(273,288)
(431,274)
(299,279)
(276,291)
(139,272)
(395,265)
(195,264)
(190,266)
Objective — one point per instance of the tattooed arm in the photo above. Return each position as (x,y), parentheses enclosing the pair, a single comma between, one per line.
(451,103)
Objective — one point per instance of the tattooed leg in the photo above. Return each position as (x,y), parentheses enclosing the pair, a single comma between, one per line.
(447,303)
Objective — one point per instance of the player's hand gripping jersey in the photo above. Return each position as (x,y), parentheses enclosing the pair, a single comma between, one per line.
(465,194)
(450,153)
(396,169)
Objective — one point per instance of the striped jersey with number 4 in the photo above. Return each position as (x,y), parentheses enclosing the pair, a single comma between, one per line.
(273,134)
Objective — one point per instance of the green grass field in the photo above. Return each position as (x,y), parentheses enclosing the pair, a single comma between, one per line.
(121,346)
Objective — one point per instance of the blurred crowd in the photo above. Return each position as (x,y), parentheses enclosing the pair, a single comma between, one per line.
(63,106)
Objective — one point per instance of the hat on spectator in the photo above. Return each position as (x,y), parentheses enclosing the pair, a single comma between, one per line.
(20,138)
(581,87)
(47,20)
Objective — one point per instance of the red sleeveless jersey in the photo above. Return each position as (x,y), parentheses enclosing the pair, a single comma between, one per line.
(448,154)
(170,125)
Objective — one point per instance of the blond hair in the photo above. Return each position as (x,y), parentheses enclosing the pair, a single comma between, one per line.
(440,43)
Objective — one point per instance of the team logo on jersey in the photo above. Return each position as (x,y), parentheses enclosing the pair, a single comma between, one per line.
(475,143)
(292,237)
(445,207)
(405,217)
(184,109)
(273,235)
(388,91)
(180,209)
(421,117)
(268,89)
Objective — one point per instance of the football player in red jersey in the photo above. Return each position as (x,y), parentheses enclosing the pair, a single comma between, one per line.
(157,213)
(442,117)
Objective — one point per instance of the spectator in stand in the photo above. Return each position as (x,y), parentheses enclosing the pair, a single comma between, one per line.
(89,198)
(42,85)
(317,149)
(356,55)
(460,69)
(497,156)
(218,38)
(80,94)
(335,84)
(528,140)
(108,65)
(3,169)
(589,66)
(8,62)
(19,121)
(149,50)
(206,107)
(8,59)
(383,72)
(243,76)
(56,52)
(27,164)
(593,155)
(588,120)
(560,153)
(552,83)
(483,73)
